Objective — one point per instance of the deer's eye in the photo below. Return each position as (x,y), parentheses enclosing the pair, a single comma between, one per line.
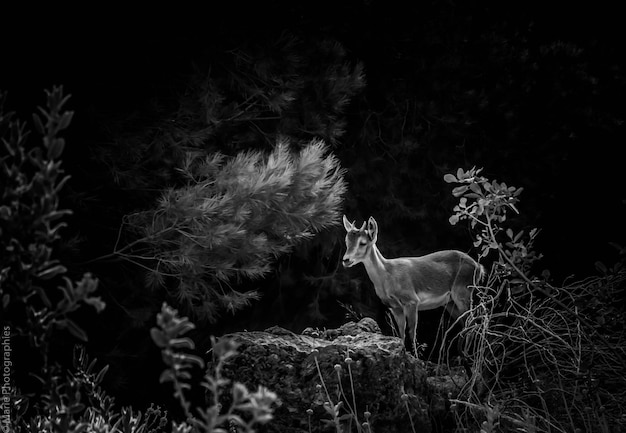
(362,243)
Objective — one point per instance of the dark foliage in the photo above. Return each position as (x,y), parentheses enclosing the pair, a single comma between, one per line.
(532,95)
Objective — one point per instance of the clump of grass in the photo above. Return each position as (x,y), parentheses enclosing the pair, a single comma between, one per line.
(344,415)
(544,358)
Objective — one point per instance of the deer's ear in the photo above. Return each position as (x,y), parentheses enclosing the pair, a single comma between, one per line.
(346,224)
(372,228)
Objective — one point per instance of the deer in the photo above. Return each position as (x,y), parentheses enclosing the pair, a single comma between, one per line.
(407,285)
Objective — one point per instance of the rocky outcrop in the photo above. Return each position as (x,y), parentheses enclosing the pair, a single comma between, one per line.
(354,364)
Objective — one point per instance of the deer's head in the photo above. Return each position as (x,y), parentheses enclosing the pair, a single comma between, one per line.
(359,241)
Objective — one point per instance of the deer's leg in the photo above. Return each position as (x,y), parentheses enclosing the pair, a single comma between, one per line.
(453,309)
(460,301)
(398,314)
(411,312)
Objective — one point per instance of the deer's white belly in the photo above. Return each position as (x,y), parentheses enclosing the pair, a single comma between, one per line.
(429,301)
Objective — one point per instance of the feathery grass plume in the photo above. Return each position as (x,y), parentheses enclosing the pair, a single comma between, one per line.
(232,219)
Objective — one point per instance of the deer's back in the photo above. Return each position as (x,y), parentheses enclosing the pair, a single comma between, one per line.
(433,271)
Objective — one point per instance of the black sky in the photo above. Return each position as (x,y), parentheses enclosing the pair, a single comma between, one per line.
(114,60)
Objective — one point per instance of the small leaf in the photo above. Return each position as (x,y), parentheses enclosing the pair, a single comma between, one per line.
(68,291)
(460,174)
(459,190)
(38,124)
(240,392)
(9,147)
(97,303)
(65,98)
(101,374)
(65,120)
(52,272)
(55,215)
(509,233)
(55,149)
(476,188)
(43,296)
(158,337)
(52,232)
(92,364)
(183,327)
(329,409)
(192,359)
(450,178)
(166,376)
(44,113)
(182,343)
(75,330)
(453,219)
(60,185)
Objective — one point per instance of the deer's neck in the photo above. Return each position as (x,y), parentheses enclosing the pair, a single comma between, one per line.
(375,267)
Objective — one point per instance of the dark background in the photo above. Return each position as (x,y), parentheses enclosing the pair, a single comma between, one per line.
(112,63)
(532,94)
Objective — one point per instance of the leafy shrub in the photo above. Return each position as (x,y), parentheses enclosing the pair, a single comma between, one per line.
(545,358)
(76,403)
(246,409)
(30,225)
(67,400)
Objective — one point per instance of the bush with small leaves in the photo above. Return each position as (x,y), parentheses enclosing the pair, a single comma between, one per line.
(37,300)
(485,204)
(30,225)
(75,402)
(246,408)
(31,179)
(533,346)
